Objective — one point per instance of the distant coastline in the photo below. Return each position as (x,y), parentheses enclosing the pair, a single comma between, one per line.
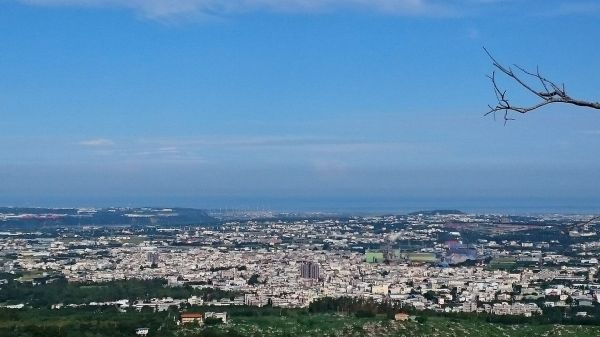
(353,206)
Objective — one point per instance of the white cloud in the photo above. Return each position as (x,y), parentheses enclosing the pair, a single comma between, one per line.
(591,132)
(473,33)
(97,142)
(573,8)
(271,142)
(330,167)
(167,8)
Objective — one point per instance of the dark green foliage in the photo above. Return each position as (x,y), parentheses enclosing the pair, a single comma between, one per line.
(363,308)
(362,313)
(360,308)
(430,295)
(213,321)
(82,322)
(210,332)
(246,321)
(253,279)
(61,291)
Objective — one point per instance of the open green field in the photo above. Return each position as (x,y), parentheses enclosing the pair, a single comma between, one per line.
(503,263)
(29,276)
(422,257)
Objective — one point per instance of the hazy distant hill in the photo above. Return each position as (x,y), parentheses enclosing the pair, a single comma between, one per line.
(31,217)
(438,212)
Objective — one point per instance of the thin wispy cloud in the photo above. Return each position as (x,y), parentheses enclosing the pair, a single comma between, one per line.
(285,142)
(473,34)
(97,142)
(325,167)
(263,149)
(169,8)
(591,132)
(573,8)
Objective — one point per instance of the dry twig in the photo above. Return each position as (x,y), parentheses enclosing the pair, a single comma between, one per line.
(549,93)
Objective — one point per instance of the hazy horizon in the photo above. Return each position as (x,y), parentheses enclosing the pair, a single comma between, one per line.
(339,205)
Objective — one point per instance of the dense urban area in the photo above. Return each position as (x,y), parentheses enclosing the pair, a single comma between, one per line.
(184,272)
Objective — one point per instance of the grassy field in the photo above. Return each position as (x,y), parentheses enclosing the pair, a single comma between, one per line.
(344,326)
(422,257)
(29,276)
(503,263)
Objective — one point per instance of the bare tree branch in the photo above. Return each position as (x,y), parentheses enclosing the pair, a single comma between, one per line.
(549,93)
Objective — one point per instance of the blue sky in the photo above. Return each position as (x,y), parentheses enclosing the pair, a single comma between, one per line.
(270,103)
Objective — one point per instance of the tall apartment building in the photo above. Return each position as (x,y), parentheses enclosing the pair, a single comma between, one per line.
(309,270)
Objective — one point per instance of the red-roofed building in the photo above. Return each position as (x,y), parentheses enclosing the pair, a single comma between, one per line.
(191,317)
